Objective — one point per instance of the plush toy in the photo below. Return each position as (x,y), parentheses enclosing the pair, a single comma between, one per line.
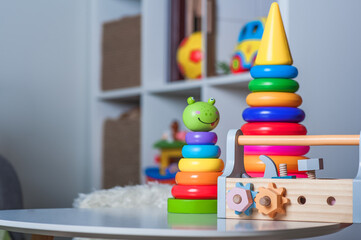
(249,40)
(189,56)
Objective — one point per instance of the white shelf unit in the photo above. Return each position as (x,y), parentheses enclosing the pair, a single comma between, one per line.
(161,101)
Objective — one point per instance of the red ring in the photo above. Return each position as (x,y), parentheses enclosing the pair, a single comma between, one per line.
(273,128)
(194,191)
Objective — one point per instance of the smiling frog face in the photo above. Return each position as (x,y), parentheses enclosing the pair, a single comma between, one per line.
(201,116)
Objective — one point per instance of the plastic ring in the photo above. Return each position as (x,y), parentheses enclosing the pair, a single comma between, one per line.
(201,151)
(273,128)
(201,165)
(276,150)
(273,99)
(201,138)
(194,191)
(192,206)
(197,178)
(274,71)
(273,85)
(297,174)
(273,114)
(252,163)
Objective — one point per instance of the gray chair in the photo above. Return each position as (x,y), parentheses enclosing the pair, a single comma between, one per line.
(10,191)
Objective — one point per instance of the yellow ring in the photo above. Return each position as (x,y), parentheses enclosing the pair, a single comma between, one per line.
(273,99)
(201,165)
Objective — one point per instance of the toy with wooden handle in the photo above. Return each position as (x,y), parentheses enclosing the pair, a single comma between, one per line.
(235,164)
(297,140)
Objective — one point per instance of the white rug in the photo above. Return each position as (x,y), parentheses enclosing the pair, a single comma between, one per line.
(152,194)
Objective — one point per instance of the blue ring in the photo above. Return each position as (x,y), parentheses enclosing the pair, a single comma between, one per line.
(201,151)
(273,114)
(274,71)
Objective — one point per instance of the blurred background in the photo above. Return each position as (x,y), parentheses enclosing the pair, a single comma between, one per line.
(88,87)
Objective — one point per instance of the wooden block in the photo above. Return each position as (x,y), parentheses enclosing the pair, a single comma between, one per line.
(310,164)
(325,200)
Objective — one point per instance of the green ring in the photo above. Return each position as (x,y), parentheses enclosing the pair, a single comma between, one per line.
(192,205)
(273,85)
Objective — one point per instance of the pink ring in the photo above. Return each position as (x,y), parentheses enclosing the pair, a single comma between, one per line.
(260,174)
(276,150)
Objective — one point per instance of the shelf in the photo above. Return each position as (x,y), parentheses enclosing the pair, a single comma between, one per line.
(181,88)
(230,81)
(126,94)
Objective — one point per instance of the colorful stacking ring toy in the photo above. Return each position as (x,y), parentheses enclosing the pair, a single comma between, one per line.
(261,174)
(252,163)
(273,85)
(194,191)
(197,178)
(201,165)
(273,128)
(274,99)
(192,206)
(201,151)
(276,150)
(273,114)
(201,138)
(274,71)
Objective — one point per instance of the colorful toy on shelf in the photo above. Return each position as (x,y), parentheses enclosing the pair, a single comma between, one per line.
(196,189)
(275,104)
(189,56)
(170,147)
(248,43)
(274,141)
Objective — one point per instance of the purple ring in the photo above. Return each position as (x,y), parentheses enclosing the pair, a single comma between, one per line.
(276,150)
(201,138)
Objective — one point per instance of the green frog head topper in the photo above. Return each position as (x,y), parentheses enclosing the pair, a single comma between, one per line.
(201,116)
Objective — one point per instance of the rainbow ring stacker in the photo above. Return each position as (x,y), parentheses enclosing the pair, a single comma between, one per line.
(273,114)
(201,165)
(273,85)
(192,206)
(197,178)
(201,151)
(201,138)
(273,128)
(194,191)
(273,99)
(276,150)
(274,71)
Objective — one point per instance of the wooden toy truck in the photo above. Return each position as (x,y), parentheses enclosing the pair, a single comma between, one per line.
(325,200)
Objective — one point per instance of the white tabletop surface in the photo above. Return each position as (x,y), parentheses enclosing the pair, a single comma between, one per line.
(152,224)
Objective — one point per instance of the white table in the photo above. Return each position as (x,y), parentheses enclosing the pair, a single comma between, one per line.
(151,224)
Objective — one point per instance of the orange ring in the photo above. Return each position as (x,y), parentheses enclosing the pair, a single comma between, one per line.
(197,178)
(273,99)
(252,163)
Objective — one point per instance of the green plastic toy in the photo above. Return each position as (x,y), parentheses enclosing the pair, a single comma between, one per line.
(201,116)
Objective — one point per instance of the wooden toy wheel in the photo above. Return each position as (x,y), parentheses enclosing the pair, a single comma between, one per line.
(271,200)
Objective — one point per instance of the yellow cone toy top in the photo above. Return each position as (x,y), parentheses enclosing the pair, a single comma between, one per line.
(274,49)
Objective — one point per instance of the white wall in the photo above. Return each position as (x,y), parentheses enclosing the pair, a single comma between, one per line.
(43,97)
(325,43)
